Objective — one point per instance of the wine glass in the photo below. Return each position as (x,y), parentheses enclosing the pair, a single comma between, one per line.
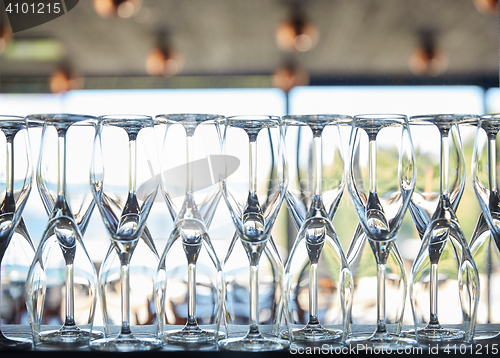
(253,194)
(124,183)
(316,259)
(486,255)
(16,176)
(190,183)
(380,179)
(443,243)
(62,169)
(485,242)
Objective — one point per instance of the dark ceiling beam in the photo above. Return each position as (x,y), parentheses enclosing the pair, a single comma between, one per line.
(17,84)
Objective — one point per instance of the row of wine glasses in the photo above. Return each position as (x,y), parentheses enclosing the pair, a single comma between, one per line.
(253,163)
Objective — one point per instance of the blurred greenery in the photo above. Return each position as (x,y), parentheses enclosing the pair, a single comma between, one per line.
(346,219)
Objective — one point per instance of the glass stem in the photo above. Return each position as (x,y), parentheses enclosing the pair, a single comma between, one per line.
(189,158)
(444,164)
(372,167)
(2,337)
(381,299)
(433,296)
(254,300)
(317,164)
(9,175)
(125,288)
(192,295)
(253,166)
(492,164)
(313,295)
(132,151)
(61,165)
(70,296)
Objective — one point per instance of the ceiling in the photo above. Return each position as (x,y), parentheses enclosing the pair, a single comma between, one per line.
(364,38)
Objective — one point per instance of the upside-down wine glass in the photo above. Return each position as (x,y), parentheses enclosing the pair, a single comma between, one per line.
(190,183)
(254,194)
(485,242)
(16,176)
(64,152)
(380,179)
(124,182)
(443,243)
(316,185)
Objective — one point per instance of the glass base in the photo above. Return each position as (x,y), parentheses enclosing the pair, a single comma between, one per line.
(73,336)
(14,344)
(257,344)
(307,334)
(439,334)
(482,335)
(380,341)
(127,343)
(187,336)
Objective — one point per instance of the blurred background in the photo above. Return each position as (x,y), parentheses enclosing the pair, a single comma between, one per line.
(271,57)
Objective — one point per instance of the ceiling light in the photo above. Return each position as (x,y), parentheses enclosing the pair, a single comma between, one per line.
(487,6)
(163,62)
(5,36)
(287,77)
(427,58)
(296,34)
(117,8)
(63,80)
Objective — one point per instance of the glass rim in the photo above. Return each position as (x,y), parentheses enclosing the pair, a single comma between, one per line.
(58,118)
(7,121)
(319,118)
(462,118)
(189,117)
(269,121)
(489,121)
(253,117)
(12,117)
(382,117)
(493,116)
(116,118)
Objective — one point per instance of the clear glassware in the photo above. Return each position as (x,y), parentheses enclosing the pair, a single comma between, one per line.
(486,255)
(380,179)
(363,266)
(189,277)
(444,260)
(143,313)
(485,241)
(124,182)
(15,264)
(61,262)
(318,281)
(16,175)
(254,194)
(427,144)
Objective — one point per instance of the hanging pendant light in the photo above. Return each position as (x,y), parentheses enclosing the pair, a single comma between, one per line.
(163,60)
(64,79)
(5,36)
(164,63)
(487,6)
(428,59)
(290,76)
(297,34)
(117,8)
